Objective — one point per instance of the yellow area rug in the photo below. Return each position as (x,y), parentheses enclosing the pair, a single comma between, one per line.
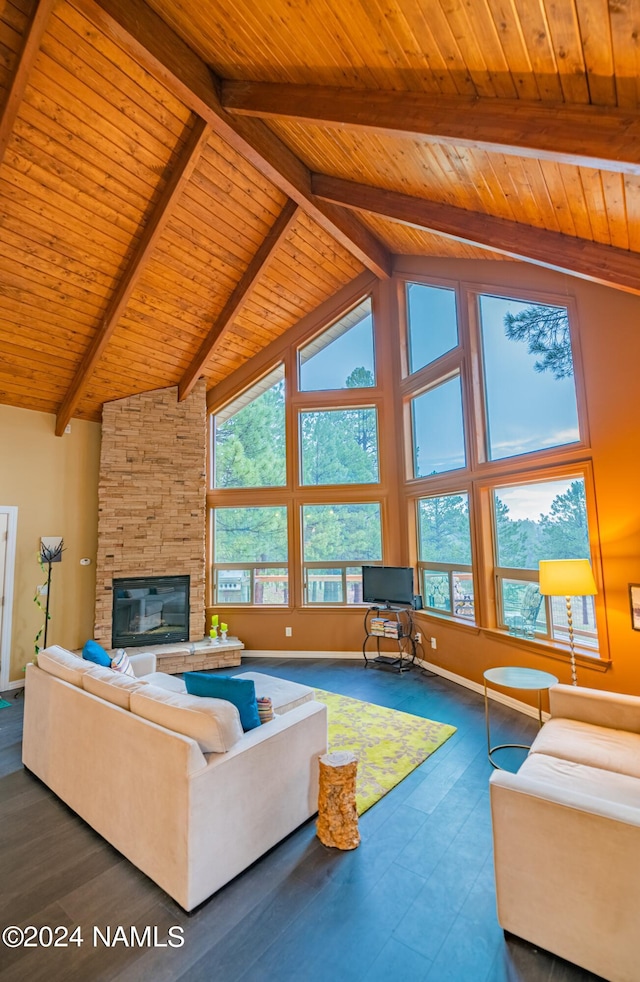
(388,744)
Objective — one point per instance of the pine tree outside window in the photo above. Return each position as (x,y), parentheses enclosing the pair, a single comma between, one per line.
(444,554)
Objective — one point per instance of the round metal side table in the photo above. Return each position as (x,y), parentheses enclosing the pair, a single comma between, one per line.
(514,678)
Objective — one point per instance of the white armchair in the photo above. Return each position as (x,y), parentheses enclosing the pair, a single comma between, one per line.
(566,831)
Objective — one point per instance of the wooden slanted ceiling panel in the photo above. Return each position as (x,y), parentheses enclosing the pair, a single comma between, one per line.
(405,241)
(307,269)
(532,49)
(224,214)
(86,160)
(540,193)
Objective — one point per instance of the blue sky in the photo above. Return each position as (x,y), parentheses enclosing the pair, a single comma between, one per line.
(435,307)
(527,410)
(330,368)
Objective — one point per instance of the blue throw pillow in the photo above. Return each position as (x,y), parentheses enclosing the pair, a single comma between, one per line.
(241,692)
(93,651)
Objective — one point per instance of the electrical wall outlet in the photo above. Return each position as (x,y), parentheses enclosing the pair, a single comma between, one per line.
(434,643)
(288,631)
(418,637)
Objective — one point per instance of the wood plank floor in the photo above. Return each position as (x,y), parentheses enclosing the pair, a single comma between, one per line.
(414,902)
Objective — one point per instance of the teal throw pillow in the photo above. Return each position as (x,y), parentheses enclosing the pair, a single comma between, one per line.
(241,692)
(93,651)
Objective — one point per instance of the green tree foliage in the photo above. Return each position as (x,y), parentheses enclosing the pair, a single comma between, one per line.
(338,447)
(250,445)
(360,378)
(518,541)
(444,529)
(546,332)
(340,533)
(560,534)
(250,535)
(564,531)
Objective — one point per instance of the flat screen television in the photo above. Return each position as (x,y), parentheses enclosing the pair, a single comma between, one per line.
(387,585)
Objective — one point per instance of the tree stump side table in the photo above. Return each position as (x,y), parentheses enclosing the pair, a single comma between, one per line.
(337,816)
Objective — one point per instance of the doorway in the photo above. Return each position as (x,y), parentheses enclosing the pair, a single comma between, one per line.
(8,525)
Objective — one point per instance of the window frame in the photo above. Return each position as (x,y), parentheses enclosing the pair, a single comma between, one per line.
(423,565)
(482,474)
(385,492)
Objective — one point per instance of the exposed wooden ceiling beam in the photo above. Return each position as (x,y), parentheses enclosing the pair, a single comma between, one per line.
(240,295)
(587,136)
(140,31)
(589,260)
(153,229)
(22,70)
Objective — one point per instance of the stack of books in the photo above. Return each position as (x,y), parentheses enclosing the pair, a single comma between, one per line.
(382,628)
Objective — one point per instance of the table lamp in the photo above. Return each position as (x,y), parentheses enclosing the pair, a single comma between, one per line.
(567,578)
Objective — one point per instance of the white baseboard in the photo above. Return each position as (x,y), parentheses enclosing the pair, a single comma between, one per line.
(257,653)
(14,685)
(501,697)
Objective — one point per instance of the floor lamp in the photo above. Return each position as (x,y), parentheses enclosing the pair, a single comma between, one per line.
(567,578)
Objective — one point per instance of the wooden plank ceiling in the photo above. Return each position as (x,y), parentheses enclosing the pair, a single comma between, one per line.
(181,182)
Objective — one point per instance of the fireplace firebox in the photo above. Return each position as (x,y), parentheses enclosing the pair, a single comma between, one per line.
(150,610)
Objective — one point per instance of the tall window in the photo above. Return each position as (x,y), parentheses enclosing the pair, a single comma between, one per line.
(444,554)
(438,431)
(249,437)
(528,374)
(257,496)
(431,322)
(484,391)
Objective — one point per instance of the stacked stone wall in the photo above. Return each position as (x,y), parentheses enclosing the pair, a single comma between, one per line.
(152,497)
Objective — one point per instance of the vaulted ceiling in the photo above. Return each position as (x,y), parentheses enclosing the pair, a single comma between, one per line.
(181,182)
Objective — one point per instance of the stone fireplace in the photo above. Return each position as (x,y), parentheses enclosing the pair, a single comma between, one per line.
(152,499)
(150,610)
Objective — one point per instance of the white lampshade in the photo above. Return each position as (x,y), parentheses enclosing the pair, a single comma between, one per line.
(566,578)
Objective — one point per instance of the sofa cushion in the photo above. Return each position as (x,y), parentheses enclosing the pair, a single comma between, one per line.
(64,664)
(241,692)
(567,775)
(213,723)
(111,686)
(94,652)
(284,695)
(586,743)
(164,681)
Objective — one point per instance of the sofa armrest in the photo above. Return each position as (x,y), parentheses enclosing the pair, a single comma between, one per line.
(567,868)
(563,798)
(260,736)
(143,663)
(612,709)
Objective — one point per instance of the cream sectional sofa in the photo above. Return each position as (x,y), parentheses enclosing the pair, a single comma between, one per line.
(171,780)
(566,832)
